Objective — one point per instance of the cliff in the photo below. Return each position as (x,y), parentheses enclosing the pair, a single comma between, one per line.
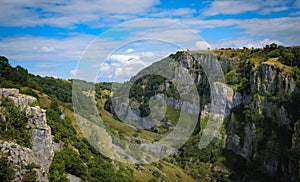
(255,99)
(41,152)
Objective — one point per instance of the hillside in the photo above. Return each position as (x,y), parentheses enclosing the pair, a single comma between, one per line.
(258,141)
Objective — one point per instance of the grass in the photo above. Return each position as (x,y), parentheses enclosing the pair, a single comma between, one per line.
(43,99)
(166,172)
(124,129)
(274,62)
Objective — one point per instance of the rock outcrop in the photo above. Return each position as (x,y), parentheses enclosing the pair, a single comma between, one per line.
(17,98)
(42,143)
(233,142)
(18,156)
(42,152)
(270,80)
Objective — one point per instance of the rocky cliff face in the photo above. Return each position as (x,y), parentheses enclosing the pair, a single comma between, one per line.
(17,98)
(233,142)
(42,152)
(42,143)
(267,80)
(270,80)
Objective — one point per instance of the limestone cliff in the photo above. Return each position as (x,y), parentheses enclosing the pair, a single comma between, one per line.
(41,153)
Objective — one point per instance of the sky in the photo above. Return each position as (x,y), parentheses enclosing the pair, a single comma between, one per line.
(53,38)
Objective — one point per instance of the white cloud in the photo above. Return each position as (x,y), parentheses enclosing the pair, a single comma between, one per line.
(67,13)
(129,50)
(183,12)
(121,67)
(229,7)
(73,73)
(47,49)
(47,56)
(283,29)
(232,7)
(202,45)
(243,42)
(29,48)
(199,24)
(120,58)
(273,9)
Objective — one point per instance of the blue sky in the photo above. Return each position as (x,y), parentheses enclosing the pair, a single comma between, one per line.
(49,37)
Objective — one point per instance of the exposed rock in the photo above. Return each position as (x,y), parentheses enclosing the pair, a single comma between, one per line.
(282,116)
(5,92)
(19,157)
(221,169)
(225,93)
(41,140)
(18,99)
(248,141)
(73,178)
(57,147)
(42,151)
(269,80)
(22,100)
(233,142)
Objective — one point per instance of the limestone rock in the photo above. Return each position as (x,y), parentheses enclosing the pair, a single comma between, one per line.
(269,80)
(5,92)
(42,144)
(22,100)
(233,142)
(18,99)
(19,157)
(42,151)
(73,178)
(225,98)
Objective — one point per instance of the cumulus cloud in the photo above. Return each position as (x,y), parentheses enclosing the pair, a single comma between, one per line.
(28,48)
(233,7)
(227,7)
(121,67)
(73,72)
(202,45)
(67,13)
(282,29)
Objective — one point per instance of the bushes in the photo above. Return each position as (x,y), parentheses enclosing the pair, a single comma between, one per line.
(6,170)
(95,168)
(14,127)
(79,157)
(209,154)
(68,161)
